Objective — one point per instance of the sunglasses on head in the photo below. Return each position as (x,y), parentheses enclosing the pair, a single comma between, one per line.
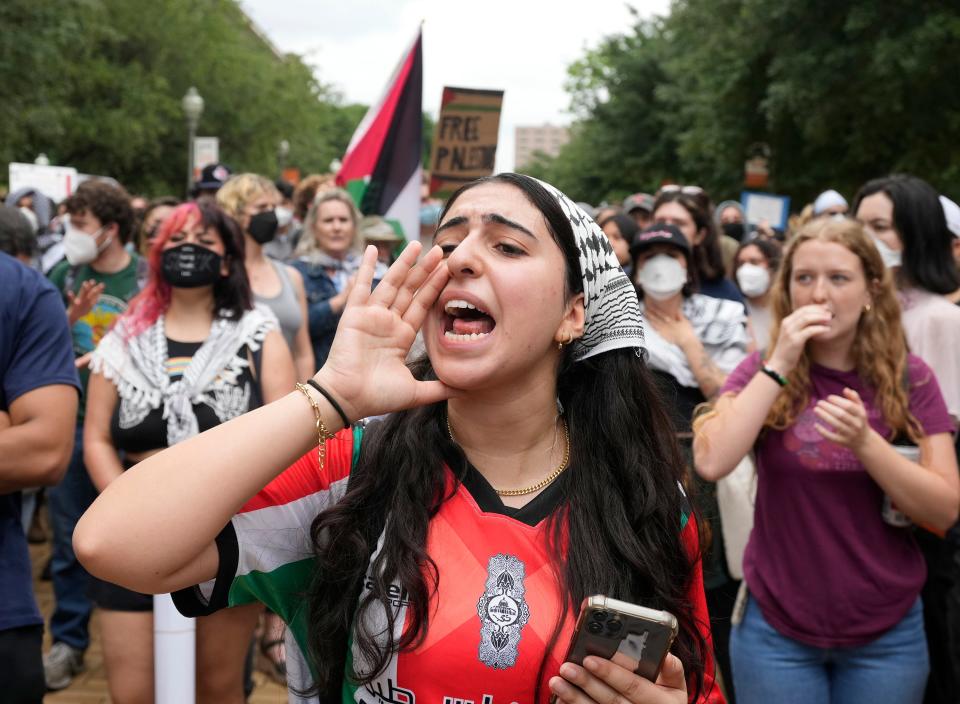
(688,190)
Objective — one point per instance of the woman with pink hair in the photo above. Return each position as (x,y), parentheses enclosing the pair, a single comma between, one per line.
(191,352)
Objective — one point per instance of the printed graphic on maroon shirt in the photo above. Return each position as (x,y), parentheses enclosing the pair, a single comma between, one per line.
(814,451)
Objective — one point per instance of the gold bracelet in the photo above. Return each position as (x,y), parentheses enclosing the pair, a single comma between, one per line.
(322,433)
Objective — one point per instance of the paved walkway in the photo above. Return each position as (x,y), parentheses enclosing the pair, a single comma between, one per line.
(90,687)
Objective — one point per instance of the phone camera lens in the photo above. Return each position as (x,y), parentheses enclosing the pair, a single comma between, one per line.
(595,627)
(614,627)
(600,615)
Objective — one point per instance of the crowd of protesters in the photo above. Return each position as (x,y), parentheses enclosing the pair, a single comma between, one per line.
(808,376)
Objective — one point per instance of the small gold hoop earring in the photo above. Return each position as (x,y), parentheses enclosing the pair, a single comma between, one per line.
(561,345)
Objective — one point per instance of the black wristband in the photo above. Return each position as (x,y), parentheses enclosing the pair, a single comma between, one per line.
(333,402)
(774,374)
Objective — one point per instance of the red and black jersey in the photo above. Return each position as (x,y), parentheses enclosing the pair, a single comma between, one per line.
(492,614)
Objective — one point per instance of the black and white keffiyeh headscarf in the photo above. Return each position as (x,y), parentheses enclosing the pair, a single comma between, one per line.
(613,317)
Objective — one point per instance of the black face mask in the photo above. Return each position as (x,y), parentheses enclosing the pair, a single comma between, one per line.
(190,266)
(734,230)
(263,226)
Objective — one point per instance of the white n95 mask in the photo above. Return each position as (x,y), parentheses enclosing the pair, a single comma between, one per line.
(891,257)
(754,280)
(662,277)
(81,247)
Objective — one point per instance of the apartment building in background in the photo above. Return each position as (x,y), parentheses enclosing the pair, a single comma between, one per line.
(542,138)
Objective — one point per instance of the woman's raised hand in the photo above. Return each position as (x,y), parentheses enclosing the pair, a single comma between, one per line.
(676,330)
(795,330)
(366,368)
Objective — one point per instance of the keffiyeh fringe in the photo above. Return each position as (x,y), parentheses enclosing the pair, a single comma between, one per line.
(137,367)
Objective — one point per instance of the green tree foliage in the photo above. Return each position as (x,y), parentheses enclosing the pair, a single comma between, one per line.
(841,90)
(97,84)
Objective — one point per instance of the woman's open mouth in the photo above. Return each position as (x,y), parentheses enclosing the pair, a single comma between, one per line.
(463,321)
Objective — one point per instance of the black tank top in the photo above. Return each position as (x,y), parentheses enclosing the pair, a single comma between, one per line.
(151,432)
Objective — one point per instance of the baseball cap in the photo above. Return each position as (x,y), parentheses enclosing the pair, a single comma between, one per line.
(638,201)
(829,199)
(430,214)
(659,233)
(374,228)
(212,176)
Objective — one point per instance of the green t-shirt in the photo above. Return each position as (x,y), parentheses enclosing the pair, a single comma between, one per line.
(119,288)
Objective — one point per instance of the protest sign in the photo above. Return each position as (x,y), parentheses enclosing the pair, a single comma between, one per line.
(766,206)
(206,150)
(55,182)
(465,139)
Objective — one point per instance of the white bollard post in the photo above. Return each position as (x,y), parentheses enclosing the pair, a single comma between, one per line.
(174,653)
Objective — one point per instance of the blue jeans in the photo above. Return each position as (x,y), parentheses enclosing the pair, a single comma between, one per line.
(769,667)
(67,501)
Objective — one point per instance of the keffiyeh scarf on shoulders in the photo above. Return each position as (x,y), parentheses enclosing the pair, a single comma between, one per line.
(720,325)
(137,367)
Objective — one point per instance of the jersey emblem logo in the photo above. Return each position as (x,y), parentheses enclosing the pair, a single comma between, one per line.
(503,612)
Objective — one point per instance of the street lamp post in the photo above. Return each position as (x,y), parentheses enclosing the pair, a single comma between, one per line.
(283,149)
(192,108)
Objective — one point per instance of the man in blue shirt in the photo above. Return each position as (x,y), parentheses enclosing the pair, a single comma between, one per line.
(39,392)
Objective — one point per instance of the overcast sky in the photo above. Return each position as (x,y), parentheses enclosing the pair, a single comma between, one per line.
(520,46)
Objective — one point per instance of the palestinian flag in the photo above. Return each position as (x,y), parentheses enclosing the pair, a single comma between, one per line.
(381,168)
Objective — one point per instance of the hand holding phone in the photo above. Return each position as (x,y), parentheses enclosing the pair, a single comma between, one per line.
(627,641)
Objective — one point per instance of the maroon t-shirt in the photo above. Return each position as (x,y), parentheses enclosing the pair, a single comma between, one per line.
(823,566)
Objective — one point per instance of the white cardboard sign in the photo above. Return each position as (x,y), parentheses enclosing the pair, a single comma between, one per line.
(55,182)
(206,150)
(772,208)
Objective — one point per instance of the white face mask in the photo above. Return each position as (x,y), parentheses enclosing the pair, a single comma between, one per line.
(754,280)
(891,257)
(81,247)
(662,277)
(284,216)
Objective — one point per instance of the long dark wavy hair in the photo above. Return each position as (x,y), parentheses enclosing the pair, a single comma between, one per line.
(919,220)
(617,531)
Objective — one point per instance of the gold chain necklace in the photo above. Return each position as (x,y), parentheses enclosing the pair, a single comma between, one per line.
(542,483)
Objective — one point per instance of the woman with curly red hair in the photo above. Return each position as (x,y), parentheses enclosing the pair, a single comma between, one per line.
(853,443)
(190,353)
